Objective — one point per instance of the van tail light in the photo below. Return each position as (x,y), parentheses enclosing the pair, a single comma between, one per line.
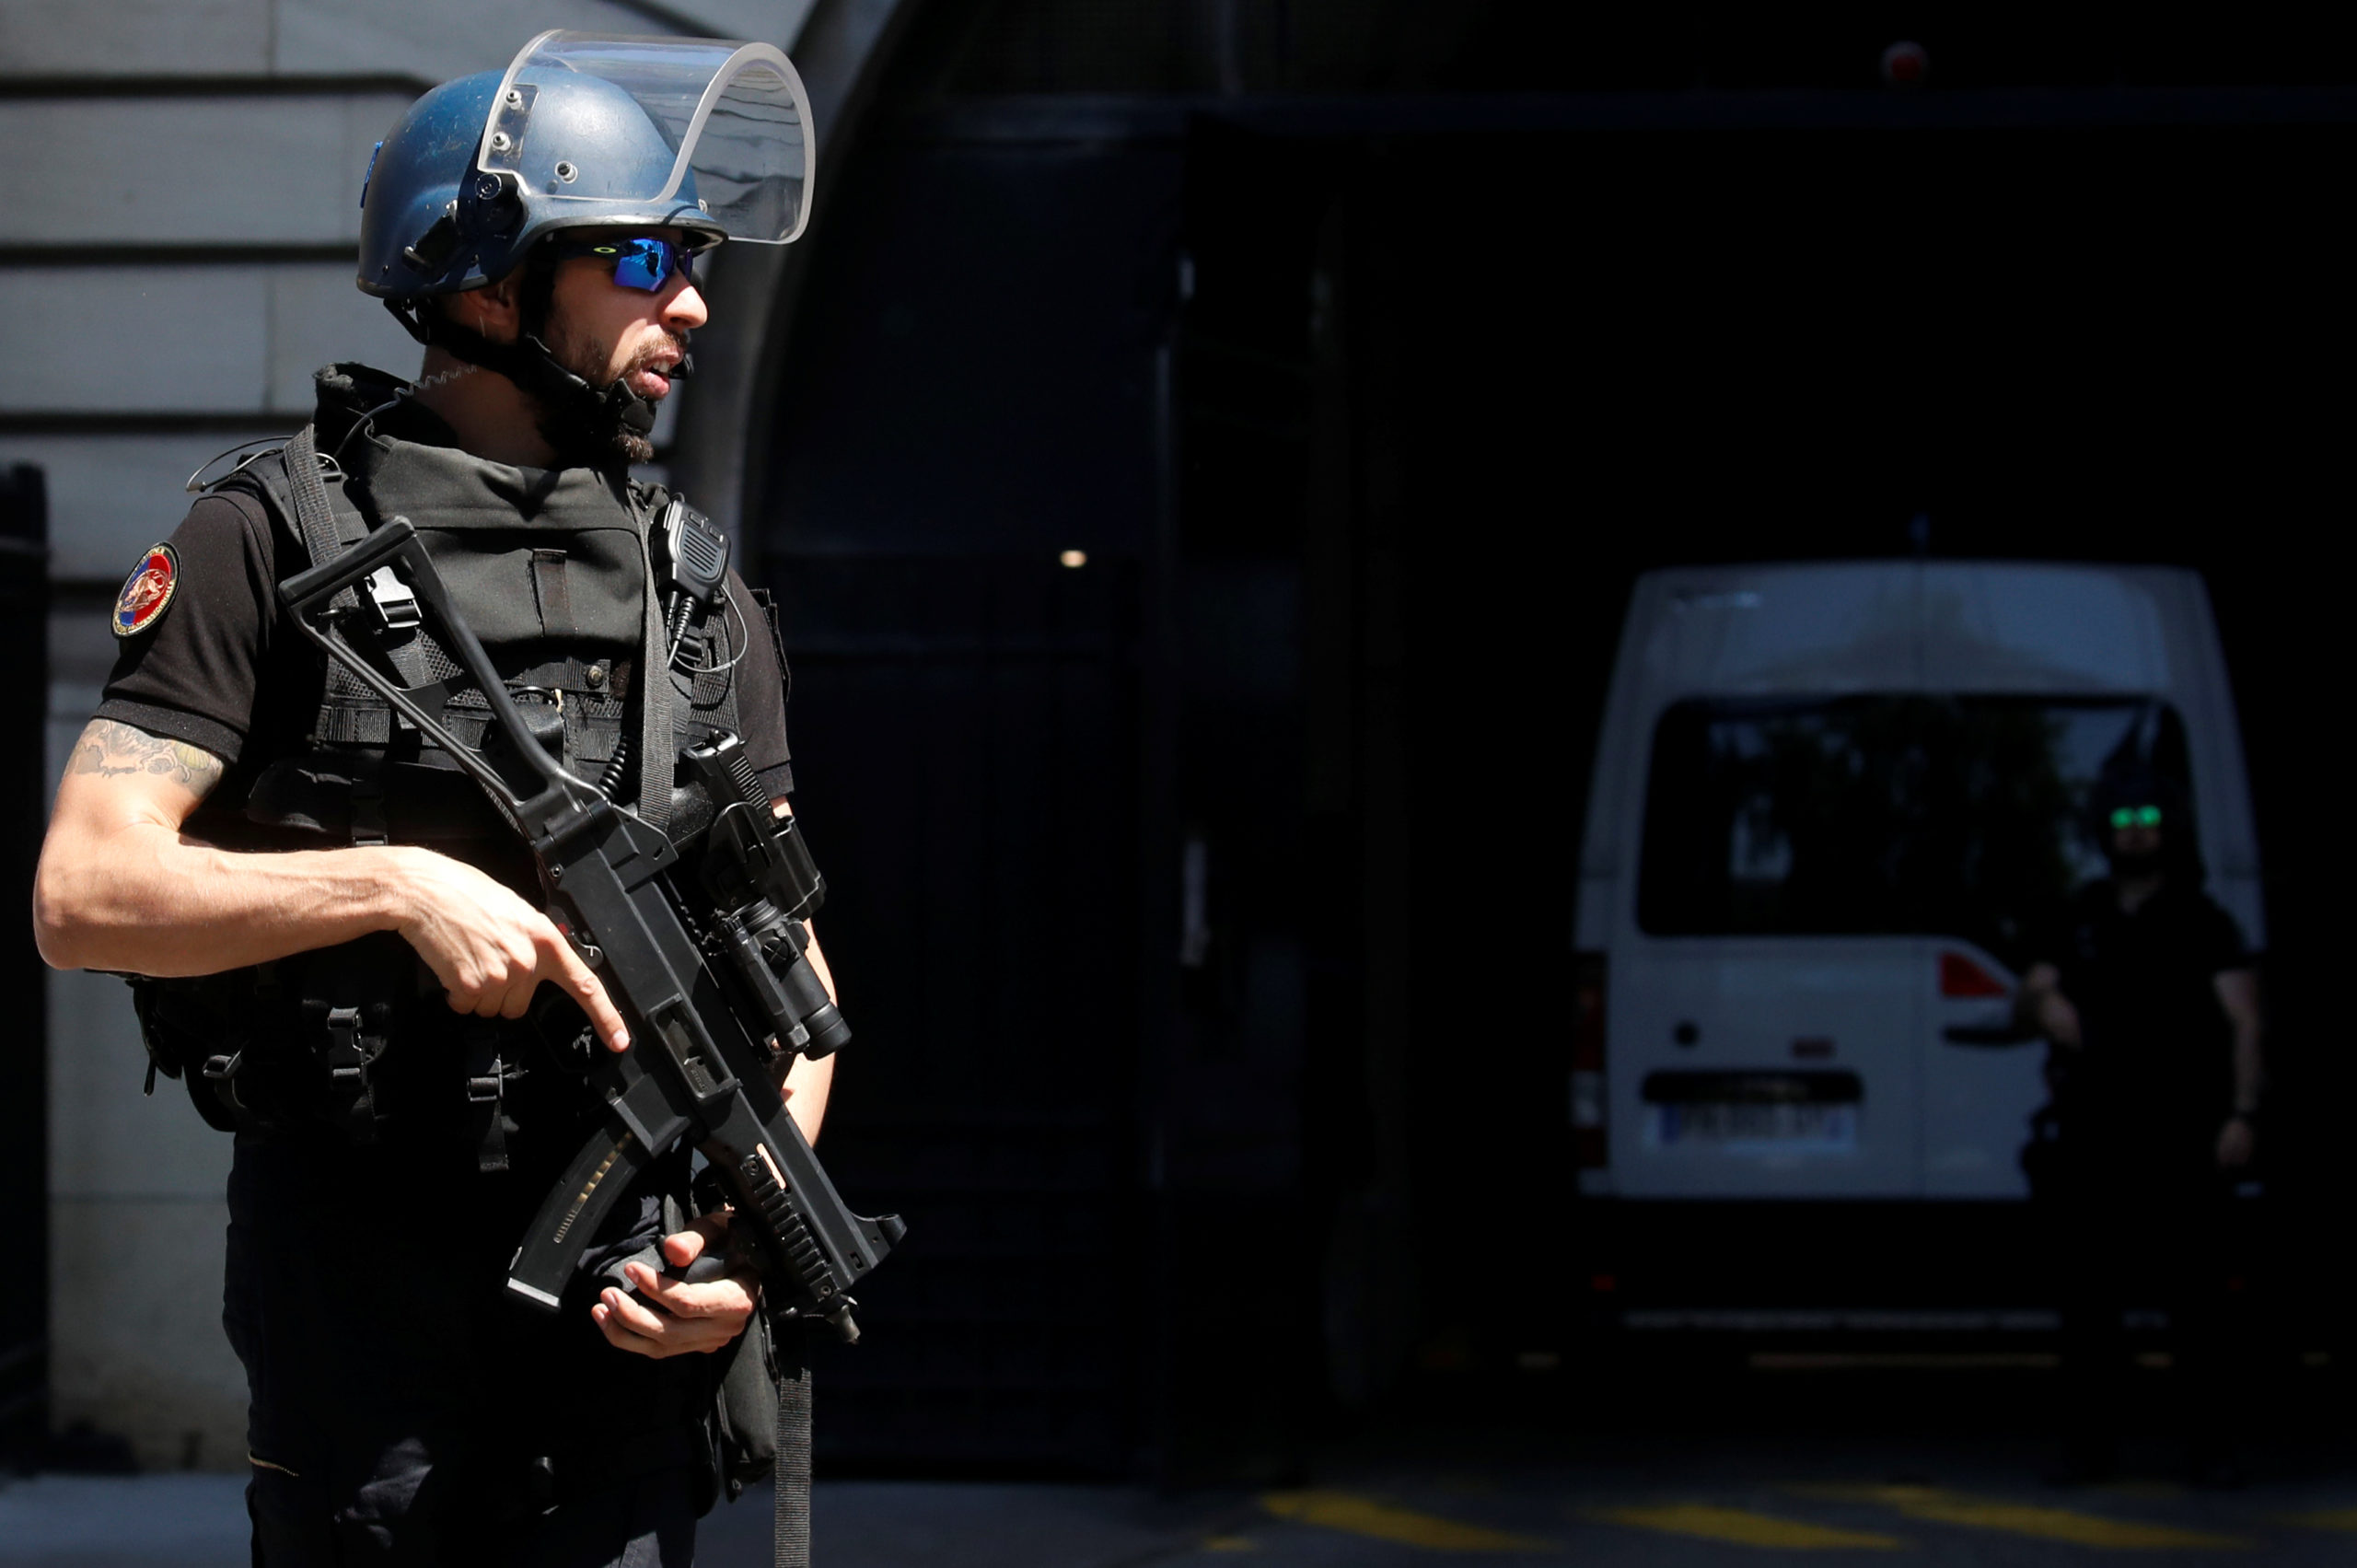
(1588,1062)
(1959,976)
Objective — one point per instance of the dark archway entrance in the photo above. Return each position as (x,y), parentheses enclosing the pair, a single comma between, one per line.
(1223,885)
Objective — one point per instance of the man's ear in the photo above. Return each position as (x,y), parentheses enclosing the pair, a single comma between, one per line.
(496,311)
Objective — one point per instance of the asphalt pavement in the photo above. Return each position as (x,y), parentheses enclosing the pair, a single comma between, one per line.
(1656,1501)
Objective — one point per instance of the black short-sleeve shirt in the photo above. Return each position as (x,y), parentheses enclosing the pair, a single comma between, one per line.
(222,669)
(2157,1059)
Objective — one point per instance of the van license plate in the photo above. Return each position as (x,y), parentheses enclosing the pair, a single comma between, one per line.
(1754,1128)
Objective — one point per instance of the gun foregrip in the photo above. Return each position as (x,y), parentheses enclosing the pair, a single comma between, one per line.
(786,1234)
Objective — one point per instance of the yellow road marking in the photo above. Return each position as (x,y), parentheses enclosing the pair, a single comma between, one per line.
(2331,1519)
(1740,1527)
(1230,1544)
(1935,1506)
(1364,1517)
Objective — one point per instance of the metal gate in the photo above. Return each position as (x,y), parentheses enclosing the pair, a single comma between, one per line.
(24,1100)
(964,730)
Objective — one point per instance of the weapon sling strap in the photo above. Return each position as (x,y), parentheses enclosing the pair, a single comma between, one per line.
(656,748)
(313,513)
(791,1528)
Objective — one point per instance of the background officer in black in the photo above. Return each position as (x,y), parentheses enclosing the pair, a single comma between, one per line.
(221,818)
(2151,1001)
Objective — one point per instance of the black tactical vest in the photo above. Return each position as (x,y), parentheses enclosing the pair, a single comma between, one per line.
(552,570)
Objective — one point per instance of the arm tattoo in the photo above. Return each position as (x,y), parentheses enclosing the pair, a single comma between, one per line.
(113,750)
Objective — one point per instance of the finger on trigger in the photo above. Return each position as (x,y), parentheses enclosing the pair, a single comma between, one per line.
(591,993)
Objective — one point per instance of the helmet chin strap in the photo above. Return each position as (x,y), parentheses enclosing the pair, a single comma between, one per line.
(581,421)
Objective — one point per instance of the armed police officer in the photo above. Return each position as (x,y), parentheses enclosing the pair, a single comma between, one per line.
(332,935)
(2151,1001)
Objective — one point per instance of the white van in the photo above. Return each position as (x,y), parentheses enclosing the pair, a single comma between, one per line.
(1831,804)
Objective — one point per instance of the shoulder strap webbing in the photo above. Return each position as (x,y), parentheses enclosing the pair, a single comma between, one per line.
(350,712)
(657,748)
(790,1525)
(316,520)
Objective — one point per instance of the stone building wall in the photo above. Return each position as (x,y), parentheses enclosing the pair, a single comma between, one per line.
(182,199)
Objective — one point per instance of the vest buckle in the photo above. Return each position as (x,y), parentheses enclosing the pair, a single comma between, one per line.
(350,1055)
(347,1063)
(487,1075)
(393,601)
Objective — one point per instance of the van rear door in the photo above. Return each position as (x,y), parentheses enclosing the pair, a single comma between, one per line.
(1765,1067)
(1768,1015)
(1833,894)
(1984,1077)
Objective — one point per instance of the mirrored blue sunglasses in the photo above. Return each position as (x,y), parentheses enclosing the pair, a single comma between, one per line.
(638,263)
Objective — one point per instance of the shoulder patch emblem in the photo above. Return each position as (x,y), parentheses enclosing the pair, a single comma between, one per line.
(147,591)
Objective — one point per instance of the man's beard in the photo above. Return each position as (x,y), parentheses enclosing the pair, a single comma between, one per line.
(593,433)
(2139,863)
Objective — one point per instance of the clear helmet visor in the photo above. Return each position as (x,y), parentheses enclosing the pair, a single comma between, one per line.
(676,126)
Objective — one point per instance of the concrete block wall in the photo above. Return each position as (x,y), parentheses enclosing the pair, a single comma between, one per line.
(183,197)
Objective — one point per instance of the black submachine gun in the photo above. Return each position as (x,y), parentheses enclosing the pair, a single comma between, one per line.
(715,989)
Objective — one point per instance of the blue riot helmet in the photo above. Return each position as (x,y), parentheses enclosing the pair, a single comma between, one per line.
(581,129)
(431,223)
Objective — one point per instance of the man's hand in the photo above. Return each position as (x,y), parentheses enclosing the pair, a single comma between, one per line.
(685,1318)
(2236,1143)
(2041,1002)
(490,949)
(2058,1019)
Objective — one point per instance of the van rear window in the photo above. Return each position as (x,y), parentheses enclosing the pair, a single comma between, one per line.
(1883,815)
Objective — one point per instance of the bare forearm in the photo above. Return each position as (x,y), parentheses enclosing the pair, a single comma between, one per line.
(2239,997)
(2250,1069)
(153,901)
(808,1083)
(122,888)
